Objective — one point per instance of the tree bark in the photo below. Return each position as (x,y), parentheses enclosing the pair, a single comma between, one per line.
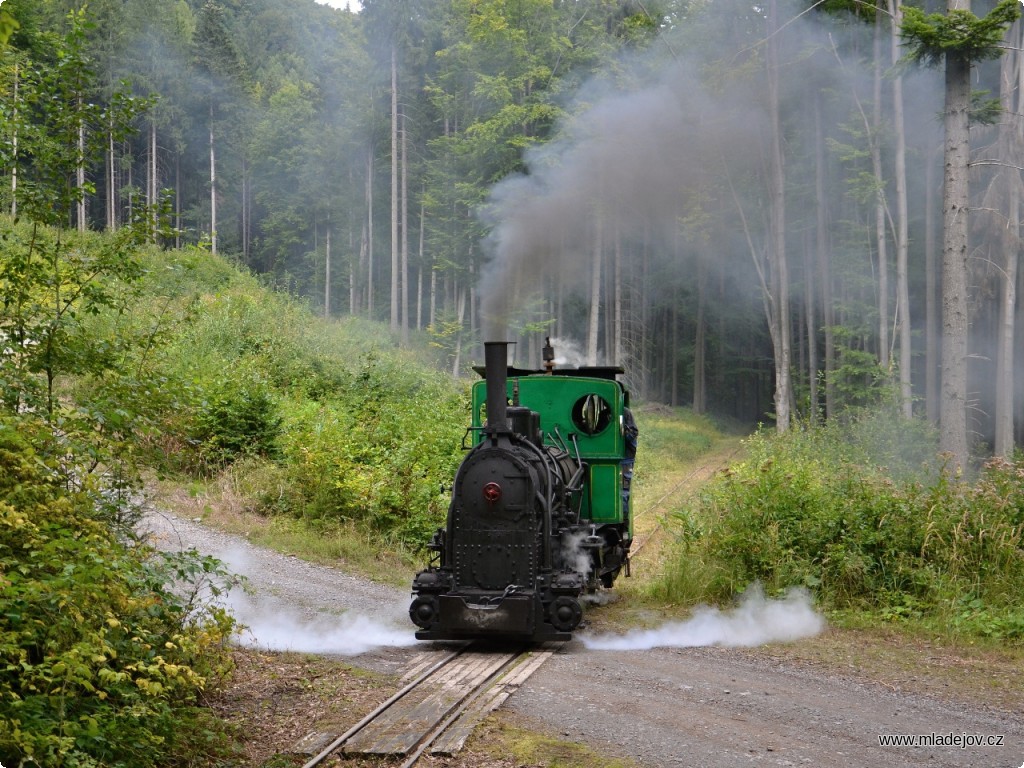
(932,352)
(369,233)
(213,188)
(327,273)
(875,142)
(1009,143)
(595,293)
(394,189)
(14,148)
(824,264)
(953,406)
(777,247)
(405,235)
(902,223)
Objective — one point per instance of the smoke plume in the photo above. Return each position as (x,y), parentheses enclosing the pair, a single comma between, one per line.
(755,621)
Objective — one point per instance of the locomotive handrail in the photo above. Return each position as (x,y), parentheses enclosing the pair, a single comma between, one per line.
(545,519)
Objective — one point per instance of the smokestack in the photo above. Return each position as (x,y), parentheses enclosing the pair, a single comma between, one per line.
(496,373)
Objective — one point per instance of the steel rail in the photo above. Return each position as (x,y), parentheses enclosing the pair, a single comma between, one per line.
(459,709)
(326,751)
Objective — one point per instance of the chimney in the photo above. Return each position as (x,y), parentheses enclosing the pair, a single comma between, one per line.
(496,373)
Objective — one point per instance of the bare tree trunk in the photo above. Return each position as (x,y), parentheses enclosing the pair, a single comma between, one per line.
(822,247)
(460,310)
(932,352)
(617,347)
(810,318)
(80,171)
(246,210)
(14,148)
(151,183)
(369,234)
(902,224)
(419,280)
(177,199)
(700,398)
(1010,142)
(595,293)
(394,189)
(405,235)
(213,188)
(881,240)
(777,247)
(953,410)
(111,178)
(327,272)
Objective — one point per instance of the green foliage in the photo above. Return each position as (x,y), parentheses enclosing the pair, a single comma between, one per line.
(8,26)
(354,429)
(931,37)
(379,453)
(851,513)
(238,418)
(101,663)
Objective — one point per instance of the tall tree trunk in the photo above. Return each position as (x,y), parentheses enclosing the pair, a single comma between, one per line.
(213,187)
(419,257)
(14,146)
(111,179)
(177,199)
(822,246)
(151,179)
(902,217)
(327,272)
(369,234)
(810,318)
(953,408)
(394,189)
(246,210)
(932,351)
(700,398)
(595,293)
(80,171)
(777,247)
(617,347)
(460,312)
(1010,141)
(405,235)
(875,141)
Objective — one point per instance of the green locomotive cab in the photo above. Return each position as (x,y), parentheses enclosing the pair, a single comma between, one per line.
(584,412)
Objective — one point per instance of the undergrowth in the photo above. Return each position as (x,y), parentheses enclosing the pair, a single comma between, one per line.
(856,513)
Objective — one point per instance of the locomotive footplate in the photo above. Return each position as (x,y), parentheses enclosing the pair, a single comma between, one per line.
(512,615)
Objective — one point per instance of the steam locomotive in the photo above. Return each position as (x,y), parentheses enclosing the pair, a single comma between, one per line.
(540,506)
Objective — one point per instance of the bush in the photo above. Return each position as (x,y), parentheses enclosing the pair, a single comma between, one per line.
(811,508)
(100,663)
(379,453)
(237,418)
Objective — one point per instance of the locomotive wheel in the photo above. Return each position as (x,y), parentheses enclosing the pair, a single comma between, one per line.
(424,611)
(565,614)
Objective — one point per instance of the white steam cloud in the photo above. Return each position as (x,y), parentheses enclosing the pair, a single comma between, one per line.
(275,627)
(272,624)
(755,621)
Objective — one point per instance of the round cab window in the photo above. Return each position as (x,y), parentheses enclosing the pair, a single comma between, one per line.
(591,414)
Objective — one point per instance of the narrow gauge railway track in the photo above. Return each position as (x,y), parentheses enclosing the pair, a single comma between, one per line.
(439,707)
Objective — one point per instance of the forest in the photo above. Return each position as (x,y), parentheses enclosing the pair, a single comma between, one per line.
(752,208)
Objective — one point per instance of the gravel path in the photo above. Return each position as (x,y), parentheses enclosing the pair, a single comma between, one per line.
(710,707)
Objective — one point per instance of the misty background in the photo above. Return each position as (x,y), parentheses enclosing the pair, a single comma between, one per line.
(622,176)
